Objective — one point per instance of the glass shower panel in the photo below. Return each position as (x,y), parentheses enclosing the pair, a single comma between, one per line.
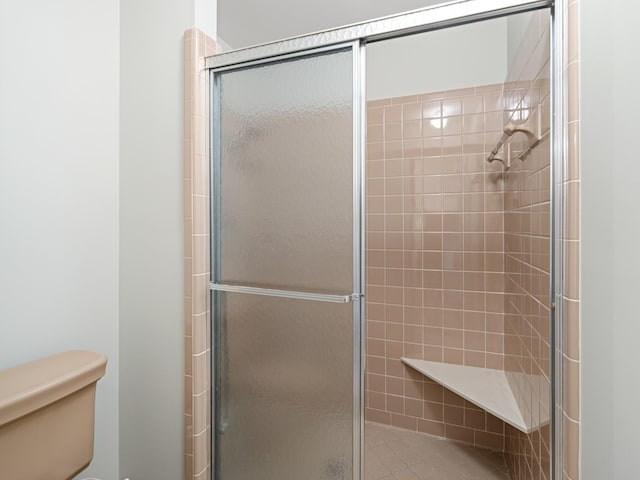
(283,227)
(286,150)
(285,411)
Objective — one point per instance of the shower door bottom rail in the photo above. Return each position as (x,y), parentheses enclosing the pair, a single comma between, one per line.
(269,292)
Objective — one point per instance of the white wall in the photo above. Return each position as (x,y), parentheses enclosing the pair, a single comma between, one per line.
(516,29)
(466,56)
(59,192)
(610,240)
(248,22)
(63,67)
(205,16)
(151,238)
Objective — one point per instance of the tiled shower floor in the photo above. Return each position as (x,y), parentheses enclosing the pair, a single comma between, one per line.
(392,453)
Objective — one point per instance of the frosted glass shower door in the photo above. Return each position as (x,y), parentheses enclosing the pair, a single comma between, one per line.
(286,268)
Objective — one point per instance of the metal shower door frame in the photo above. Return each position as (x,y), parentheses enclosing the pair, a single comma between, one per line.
(357,296)
(445,15)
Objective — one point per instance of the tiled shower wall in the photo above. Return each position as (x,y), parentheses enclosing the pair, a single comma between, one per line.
(523,242)
(527,251)
(435,257)
(196,245)
(529,454)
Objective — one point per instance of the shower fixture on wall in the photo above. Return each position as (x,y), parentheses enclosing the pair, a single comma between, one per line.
(533,139)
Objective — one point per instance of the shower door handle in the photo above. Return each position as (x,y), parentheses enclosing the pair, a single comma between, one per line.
(268,292)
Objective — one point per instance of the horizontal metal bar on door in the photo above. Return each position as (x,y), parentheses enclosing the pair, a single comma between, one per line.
(268,292)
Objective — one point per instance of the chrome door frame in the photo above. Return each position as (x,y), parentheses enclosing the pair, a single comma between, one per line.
(356,297)
(445,15)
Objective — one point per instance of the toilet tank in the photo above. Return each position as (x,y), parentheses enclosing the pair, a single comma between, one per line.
(47,416)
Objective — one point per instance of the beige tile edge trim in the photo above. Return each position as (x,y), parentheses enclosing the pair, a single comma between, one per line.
(571,347)
(196,258)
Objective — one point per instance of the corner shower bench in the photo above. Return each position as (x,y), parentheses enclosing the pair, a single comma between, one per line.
(487,388)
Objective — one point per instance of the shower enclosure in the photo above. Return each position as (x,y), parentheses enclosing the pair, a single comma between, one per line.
(288,143)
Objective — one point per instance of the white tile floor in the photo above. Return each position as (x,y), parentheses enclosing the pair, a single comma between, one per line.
(392,453)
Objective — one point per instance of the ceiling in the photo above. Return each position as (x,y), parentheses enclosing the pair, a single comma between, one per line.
(242,23)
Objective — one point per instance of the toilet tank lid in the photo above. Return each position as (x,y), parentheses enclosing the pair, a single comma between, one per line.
(31,386)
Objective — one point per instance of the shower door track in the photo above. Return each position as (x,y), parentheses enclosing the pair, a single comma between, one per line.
(436,17)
